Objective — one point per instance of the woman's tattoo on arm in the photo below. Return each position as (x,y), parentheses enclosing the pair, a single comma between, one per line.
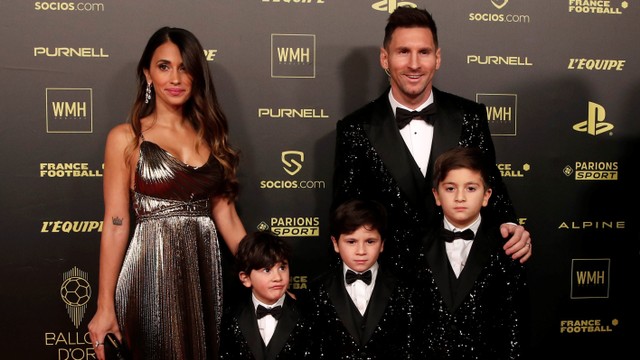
(117,221)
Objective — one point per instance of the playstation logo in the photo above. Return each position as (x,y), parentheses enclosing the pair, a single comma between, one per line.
(595,124)
(391,5)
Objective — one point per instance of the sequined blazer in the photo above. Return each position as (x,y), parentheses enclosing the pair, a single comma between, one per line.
(240,337)
(483,314)
(340,332)
(373,162)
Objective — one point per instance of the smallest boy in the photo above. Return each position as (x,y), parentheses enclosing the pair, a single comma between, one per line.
(359,309)
(475,296)
(266,323)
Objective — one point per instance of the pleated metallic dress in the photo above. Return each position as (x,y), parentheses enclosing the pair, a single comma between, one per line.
(169,292)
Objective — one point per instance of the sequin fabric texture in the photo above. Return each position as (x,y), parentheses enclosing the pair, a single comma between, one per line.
(169,292)
(372,162)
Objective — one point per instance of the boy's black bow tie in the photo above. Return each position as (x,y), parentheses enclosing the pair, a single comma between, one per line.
(404,116)
(275,311)
(351,277)
(449,236)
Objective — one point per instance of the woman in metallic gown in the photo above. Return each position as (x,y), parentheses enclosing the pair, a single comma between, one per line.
(161,291)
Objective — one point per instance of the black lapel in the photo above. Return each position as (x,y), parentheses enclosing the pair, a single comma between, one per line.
(439,264)
(341,301)
(249,326)
(385,284)
(479,256)
(385,138)
(286,324)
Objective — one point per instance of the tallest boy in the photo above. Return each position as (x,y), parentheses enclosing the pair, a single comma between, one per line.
(381,159)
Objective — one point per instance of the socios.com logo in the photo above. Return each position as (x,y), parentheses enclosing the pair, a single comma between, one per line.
(391,5)
(595,124)
(292,160)
(499,4)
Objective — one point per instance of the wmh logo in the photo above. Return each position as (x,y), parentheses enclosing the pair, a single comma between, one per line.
(502,113)
(293,56)
(590,278)
(69,110)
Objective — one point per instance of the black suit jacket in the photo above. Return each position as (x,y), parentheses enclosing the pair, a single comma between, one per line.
(240,338)
(483,314)
(373,162)
(340,332)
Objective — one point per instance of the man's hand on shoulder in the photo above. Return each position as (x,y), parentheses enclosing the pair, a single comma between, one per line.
(518,244)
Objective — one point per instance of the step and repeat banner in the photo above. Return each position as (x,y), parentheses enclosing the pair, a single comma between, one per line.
(560,79)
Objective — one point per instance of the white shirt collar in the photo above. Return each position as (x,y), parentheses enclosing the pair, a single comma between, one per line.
(395,104)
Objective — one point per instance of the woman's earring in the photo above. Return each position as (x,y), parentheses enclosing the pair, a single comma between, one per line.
(147,94)
(386,71)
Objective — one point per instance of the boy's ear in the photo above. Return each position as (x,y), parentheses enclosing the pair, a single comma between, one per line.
(487,195)
(335,244)
(245,279)
(436,196)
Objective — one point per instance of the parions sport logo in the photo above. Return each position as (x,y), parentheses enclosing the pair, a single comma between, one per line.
(593,170)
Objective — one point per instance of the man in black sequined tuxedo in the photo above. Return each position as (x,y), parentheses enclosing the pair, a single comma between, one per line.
(266,324)
(359,310)
(377,160)
(474,298)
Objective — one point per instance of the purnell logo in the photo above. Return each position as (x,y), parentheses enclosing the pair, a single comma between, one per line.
(391,5)
(293,56)
(69,111)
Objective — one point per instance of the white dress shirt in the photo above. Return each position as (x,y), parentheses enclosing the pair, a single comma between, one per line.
(418,135)
(458,250)
(267,324)
(360,292)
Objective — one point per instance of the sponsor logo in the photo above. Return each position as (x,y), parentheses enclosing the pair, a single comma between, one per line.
(293,56)
(593,224)
(60,226)
(600,7)
(68,6)
(75,292)
(391,5)
(595,124)
(498,60)
(292,226)
(298,282)
(590,278)
(593,170)
(82,52)
(499,17)
(69,110)
(292,161)
(587,326)
(508,170)
(296,1)
(210,54)
(69,170)
(281,113)
(596,64)
(502,113)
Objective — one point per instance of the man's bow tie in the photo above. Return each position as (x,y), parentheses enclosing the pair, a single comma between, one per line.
(449,236)
(351,277)
(275,311)
(404,116)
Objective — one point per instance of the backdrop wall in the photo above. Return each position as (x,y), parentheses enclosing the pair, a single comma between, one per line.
(560,79)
